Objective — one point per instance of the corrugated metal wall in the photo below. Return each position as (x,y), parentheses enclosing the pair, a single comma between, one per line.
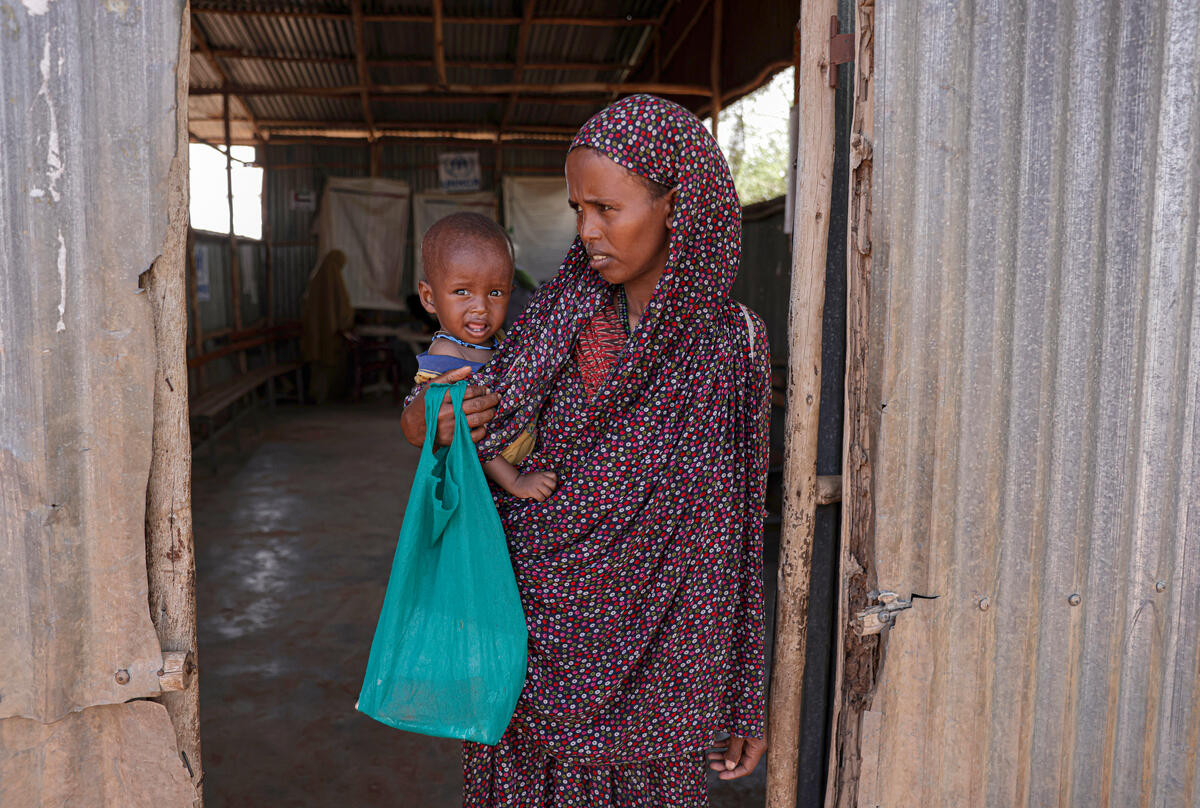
(87,180)
(306,167)
(212,250)
(1035,348)
(765,273)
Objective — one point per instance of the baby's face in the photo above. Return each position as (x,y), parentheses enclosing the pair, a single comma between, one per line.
(469,292)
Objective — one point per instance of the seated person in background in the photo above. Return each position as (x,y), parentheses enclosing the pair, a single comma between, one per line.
(467,263)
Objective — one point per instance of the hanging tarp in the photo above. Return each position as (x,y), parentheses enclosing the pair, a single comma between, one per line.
(367,219)
(429,206)
(540,221)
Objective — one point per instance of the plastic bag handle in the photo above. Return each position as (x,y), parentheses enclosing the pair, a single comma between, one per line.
(433,403)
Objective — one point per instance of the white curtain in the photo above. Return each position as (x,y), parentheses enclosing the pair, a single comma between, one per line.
(367,219)
(541,223)
(429,206)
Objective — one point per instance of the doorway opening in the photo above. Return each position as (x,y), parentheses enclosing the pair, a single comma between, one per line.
(300,471)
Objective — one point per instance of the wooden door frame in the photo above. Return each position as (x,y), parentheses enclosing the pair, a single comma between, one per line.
(170,550)
(856,659)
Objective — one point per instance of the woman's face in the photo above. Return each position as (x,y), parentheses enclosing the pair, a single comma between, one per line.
(625,229)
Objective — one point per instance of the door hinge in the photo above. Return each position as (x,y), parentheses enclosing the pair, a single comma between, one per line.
(876,618)
(841,49)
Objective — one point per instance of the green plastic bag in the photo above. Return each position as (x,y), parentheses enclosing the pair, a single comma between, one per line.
(448,657)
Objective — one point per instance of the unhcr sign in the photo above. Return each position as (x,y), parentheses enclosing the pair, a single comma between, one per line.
(459,171)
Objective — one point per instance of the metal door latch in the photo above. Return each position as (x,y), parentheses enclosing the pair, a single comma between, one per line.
(874,619)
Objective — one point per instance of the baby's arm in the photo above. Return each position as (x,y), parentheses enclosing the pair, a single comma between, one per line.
(535,485)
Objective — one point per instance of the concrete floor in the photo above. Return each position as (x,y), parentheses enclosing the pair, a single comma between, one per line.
(294,542)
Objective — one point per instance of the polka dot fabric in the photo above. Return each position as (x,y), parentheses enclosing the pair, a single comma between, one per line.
(641,575)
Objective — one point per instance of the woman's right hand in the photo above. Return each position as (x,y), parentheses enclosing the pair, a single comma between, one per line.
(479,405)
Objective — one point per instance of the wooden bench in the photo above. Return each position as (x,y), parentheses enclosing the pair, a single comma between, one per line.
(240,395)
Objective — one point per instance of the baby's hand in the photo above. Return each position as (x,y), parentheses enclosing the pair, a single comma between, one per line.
(537,485)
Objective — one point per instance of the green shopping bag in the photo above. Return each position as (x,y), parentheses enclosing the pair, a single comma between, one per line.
(448,657)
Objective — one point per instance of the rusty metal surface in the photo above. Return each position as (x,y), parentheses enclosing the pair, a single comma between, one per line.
(1035,382)
(112,755)
(84,169)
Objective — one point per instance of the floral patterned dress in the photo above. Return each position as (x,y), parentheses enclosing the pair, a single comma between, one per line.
(641,576)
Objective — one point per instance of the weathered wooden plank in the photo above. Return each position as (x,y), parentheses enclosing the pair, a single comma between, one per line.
(810,240)
(857,658)
(170,556)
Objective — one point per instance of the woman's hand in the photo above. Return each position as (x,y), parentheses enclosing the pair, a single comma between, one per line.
(735,756)
(479,405)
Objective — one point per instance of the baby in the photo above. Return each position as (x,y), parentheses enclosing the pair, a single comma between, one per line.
(467,262)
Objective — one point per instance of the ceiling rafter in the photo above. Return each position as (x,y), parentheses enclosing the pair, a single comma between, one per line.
(439,44)
(235,53)
(606,22)
(425,98)
(386,126)
(519,69)
(201,42)
(360,59)
(561,88)
(687,29)
(238,54)
(643,48)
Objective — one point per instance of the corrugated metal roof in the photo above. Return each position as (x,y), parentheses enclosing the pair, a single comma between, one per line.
(257,49)
(1035,345)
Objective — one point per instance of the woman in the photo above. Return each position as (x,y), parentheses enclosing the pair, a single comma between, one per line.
(641,576)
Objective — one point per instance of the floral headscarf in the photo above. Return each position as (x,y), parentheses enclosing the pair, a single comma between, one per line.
(641,575)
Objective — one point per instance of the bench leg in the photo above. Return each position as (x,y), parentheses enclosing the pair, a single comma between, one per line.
(300,386)
(271,392)
(254,412)
(212,446)
(237,430)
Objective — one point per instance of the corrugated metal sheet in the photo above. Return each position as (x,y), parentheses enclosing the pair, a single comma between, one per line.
(212,251)
(765,272)
(112,755)
(88,174)
(465,41)
(84,169)
(1035,347)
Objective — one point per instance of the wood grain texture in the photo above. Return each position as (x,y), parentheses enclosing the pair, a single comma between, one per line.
(810,240)
(857,658)
(170,552)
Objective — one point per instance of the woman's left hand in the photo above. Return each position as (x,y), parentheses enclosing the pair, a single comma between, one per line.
(735,756)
